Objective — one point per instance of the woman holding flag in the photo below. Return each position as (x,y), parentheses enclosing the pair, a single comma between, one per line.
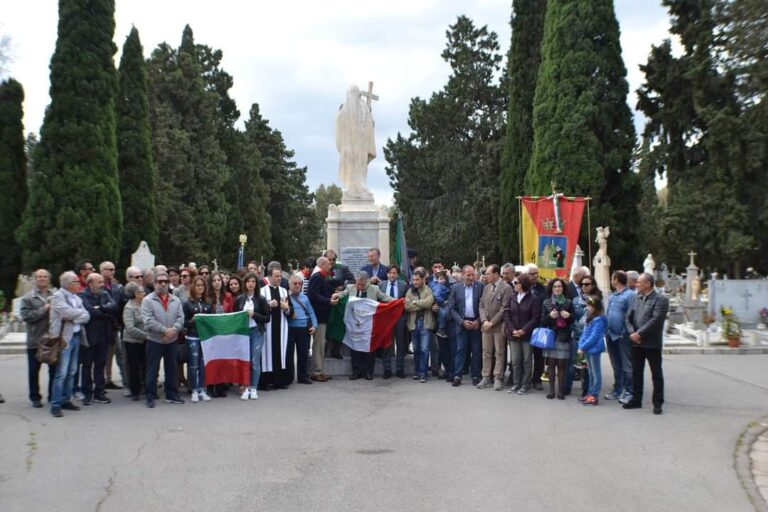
(195,365)
(258,311)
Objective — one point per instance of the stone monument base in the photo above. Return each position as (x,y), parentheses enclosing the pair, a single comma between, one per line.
(355,226)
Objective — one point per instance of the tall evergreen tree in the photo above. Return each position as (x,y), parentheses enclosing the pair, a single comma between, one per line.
(706,143)
(523,62)
(445,173)
(134,150)
(583,132)
(294,223)
(13,180)
(191,203)
(74,206)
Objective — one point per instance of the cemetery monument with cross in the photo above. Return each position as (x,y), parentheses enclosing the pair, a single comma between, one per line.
(357,224)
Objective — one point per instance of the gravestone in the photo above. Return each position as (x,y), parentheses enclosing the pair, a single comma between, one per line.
(143,257)
(357,222)
(745,296)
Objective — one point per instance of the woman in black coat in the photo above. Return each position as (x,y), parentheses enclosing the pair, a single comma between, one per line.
(557,314)
(521,317)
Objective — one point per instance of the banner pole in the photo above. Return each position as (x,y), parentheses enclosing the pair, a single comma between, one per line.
(589,234)
(520,228)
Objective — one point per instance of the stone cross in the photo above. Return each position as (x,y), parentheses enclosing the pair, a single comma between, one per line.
(369,95)
(692,254)
(746,296)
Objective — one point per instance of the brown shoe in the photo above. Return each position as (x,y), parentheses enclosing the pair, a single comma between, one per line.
(318,377)
(328,377)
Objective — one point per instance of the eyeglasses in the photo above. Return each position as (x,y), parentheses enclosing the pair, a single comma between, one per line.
(135,277)
(162,281)
(204,273)
(587,284)
(112,269)
(185,276)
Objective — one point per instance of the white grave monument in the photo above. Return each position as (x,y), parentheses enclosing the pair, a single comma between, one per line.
(357,224)
(143,257)
(602,262)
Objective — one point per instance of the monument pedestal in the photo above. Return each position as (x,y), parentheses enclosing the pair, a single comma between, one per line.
(355,226)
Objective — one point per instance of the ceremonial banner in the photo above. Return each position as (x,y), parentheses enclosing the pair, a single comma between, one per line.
(226,347)
(550,232)
(369,323)
(401,251)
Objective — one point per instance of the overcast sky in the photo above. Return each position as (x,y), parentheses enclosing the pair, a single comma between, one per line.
(297,58)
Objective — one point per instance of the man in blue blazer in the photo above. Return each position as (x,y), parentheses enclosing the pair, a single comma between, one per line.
(464,308)
(396,289)
(375,269)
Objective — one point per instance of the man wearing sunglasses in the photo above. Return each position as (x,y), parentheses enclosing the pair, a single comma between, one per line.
(163,318)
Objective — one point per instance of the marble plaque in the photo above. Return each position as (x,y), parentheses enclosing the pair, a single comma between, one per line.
(745,296)
(354,257)
(143,257)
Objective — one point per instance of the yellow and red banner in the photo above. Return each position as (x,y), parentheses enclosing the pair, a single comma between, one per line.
(549,228)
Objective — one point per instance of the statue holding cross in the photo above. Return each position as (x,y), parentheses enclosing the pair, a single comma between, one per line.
(355,142)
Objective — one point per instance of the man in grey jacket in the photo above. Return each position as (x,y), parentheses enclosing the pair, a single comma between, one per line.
(35,307)
(645,324)
(163,318)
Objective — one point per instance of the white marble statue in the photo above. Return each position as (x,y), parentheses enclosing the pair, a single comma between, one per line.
(649,266)
(355,143)
(602,262)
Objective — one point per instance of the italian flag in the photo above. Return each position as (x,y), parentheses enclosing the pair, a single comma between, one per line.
(226,347)
(369,323)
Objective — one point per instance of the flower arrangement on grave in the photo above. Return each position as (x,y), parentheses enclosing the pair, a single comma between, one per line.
(731,326)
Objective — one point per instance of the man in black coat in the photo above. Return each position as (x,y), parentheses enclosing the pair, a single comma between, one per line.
(645,323)
(99,330)
(319,292)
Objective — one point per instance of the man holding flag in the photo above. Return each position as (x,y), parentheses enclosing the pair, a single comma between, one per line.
(363,361)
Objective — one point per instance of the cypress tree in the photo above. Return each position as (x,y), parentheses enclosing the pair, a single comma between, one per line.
(583,132)
(522,67)
(134,150)
(191,167)
(74,207)
(13,180)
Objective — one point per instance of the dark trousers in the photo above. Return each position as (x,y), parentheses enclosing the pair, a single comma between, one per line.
(639,356)
(136,357)
(301,339)
(362,362)
(94,360)
(468,343)
(168,352)
(538,365)
(398,348)
(33,367)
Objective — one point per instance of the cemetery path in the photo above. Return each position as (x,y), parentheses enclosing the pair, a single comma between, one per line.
(388,445)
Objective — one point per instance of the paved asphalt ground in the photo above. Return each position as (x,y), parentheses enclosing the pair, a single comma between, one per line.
(388,445)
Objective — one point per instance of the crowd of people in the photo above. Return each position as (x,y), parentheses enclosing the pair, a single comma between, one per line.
(455,322)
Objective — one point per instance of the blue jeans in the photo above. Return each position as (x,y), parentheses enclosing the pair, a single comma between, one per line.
(257,344)
(420,337)
(195,364)
(620,353)
(472,341)
(65,372)
(595,376)
(442,314)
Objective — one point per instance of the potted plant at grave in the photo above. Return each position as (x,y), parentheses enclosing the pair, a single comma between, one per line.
(731,327)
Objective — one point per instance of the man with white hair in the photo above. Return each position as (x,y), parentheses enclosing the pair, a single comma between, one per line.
(574,285)
(67,316)
(632,277)
(540,292)
(35,307)
(100,331)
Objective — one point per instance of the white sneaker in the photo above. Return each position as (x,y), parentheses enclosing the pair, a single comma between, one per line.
(195,398)
(204,396)
(126,392)
(254,394)
(246,394)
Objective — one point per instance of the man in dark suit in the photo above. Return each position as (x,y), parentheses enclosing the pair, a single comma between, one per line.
(645,323)
(539,291)
(375,270)
(395,289)
(362,362)
(464,308)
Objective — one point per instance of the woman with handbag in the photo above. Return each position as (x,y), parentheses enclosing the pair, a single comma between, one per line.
(258,311)
(195,364)
(521,316)
(557,314)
